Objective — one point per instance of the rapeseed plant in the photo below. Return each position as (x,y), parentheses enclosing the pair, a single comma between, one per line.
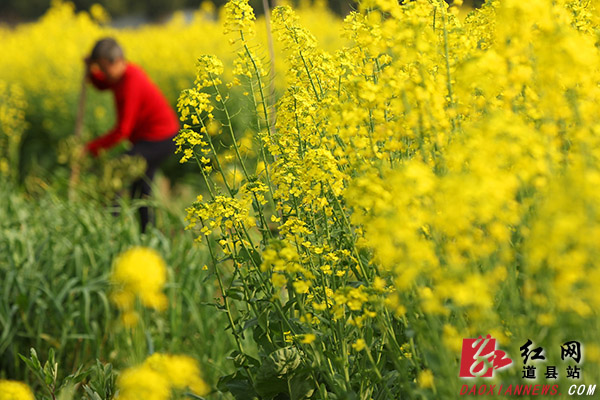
(417,188)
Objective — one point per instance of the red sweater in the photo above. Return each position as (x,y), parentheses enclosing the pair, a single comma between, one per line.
(143,113)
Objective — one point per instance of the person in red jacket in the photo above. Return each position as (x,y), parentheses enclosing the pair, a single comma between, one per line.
(144,116)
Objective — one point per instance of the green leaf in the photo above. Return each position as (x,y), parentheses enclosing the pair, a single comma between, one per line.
(250,323)
(235,294)
(35,359)
(270,386)
(238,385)
(67,393)
(301,387)
(242,359)
(285,360)
(33,363)
(75,377)
(274,372)
(249,255)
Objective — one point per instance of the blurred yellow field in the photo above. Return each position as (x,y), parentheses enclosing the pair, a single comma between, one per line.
(45,58)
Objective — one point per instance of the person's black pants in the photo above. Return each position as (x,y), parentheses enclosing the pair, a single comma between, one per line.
(154,153)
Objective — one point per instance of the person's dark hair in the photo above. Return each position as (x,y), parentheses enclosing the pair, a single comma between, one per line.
(108,49)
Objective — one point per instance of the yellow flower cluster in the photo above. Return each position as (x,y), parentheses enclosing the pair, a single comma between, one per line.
(13,390)
(158,376)
(195,109)
(561,249)
(138,273)
(208,69)
(221,212)
(239,16)
(283,261)
(186,141)
(290,33)
(12,126)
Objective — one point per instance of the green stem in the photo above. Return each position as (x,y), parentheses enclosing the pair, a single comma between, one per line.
(208,185)
(447,57)
(260,85)
(350,233)
(220,167)
(230,129)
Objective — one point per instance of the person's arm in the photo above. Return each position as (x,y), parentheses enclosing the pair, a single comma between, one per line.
(128,108)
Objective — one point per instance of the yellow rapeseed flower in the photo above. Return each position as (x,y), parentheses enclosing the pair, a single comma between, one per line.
(13,390)
(143,383)
(180,371)
(425,379)
(139,272)
(359,345)
(158,376)
(301,287)
(308,338)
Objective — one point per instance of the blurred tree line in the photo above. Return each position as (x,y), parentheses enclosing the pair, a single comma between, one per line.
(14,11)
